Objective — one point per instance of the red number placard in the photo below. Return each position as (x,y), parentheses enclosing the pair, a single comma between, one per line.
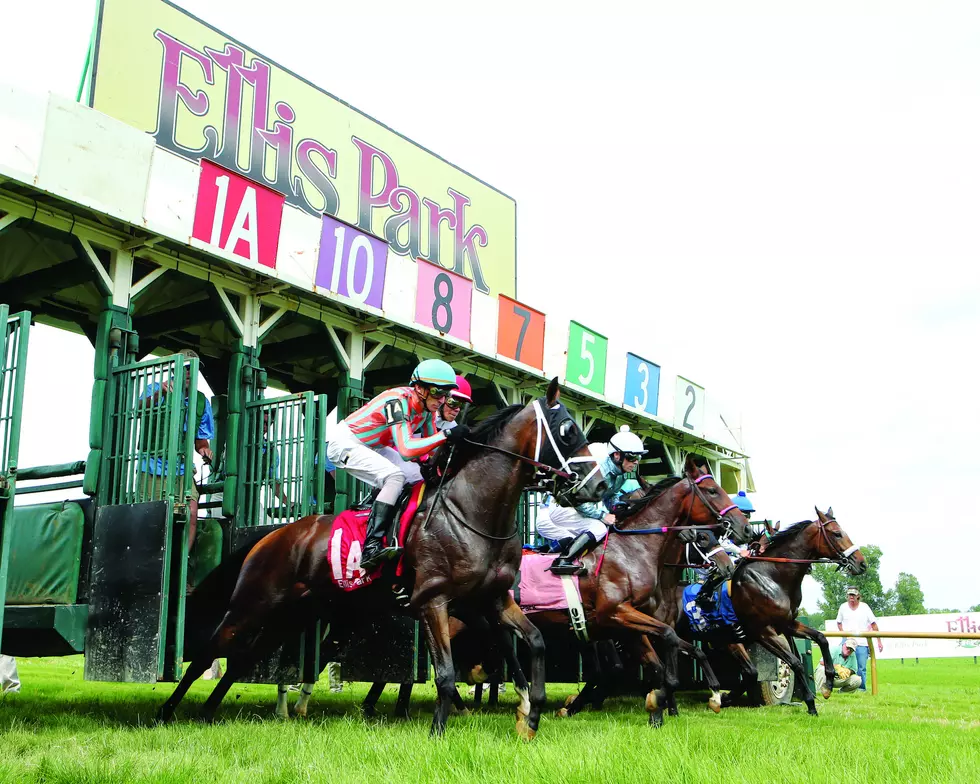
(520,332)
(238,216)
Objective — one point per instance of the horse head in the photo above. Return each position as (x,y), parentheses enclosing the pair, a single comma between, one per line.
(830,541)
(560,443)
(716,505)
(704,543)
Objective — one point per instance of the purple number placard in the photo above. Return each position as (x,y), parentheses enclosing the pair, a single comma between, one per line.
(443,300)
(351,263)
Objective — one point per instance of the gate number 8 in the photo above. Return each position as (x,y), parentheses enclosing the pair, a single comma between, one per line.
(443,302)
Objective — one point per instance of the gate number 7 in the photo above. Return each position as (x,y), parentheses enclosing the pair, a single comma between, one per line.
(526,315)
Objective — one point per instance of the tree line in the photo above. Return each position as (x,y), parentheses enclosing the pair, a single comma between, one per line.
(904,598)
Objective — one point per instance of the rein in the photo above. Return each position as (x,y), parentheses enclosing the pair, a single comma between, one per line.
(529,460)
(840,560)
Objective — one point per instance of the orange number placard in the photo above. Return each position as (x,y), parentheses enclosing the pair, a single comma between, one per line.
(520,332)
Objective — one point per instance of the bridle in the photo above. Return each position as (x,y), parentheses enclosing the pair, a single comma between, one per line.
(566,471)
(723,521)
(841,557)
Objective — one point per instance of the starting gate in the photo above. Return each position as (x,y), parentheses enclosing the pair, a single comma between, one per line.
(13,362)
(139,545)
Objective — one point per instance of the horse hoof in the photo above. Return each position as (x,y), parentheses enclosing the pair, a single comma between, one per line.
(461,711)
(524,730)
(164,717)
(657,719)
(812,711)
(651,702)
(715,702)
(672,712)
(825,692)
(562,713)
(299,712)
(478,675)
(282,715)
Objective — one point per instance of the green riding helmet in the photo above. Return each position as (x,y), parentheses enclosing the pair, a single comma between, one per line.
(434,373)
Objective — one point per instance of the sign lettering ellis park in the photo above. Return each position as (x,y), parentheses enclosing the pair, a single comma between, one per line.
(204,96)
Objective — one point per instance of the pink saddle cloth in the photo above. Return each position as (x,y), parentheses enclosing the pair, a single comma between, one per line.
(540,589)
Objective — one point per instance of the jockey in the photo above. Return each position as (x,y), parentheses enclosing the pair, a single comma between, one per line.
(445,420)
(590,520)
(706,596)
(448,411)
(390,420)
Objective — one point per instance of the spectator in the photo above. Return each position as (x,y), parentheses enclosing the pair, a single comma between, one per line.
(855,616)
(845,664)
(9,680)
(154,468)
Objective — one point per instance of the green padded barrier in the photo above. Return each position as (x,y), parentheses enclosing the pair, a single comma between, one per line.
(207,550)
(90,484)
(45,553)
(95,422)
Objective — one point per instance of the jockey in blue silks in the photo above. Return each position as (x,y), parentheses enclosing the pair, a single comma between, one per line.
(706,597)
(591,520)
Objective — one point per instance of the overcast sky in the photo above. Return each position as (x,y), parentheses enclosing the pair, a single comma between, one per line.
(779,203)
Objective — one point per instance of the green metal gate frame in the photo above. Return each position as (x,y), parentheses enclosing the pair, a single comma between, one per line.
(140,429)
(13,367)
(282,455)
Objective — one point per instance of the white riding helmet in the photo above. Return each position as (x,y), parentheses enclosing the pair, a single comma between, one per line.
(625,441)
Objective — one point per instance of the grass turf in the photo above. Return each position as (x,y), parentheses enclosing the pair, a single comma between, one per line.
(924,726)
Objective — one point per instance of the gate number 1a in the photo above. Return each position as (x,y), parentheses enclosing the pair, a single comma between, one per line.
(237,216)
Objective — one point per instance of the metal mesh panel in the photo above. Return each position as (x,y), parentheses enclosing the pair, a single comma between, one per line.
(147,438)
(14,361)
(277,470)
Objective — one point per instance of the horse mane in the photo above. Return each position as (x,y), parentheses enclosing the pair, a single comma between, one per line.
(483,433)
(785,534)
(649,495)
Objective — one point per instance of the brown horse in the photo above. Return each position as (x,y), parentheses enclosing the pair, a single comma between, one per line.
(463,547)
(621,590)
(766,593)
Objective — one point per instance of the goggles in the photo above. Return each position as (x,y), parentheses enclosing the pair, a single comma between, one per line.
(631,456)
(454,403)
(440,392)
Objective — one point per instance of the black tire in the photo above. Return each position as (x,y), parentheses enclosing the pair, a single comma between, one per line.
(780,691)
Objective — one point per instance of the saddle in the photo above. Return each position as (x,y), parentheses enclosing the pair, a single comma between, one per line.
(347,534)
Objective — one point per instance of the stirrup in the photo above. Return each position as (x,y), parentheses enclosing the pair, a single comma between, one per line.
(557,567)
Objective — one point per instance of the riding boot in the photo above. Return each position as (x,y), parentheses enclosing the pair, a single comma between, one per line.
(565,564)
(374,551)
(706,596)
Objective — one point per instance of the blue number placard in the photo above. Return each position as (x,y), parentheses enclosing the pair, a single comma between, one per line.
(642,384)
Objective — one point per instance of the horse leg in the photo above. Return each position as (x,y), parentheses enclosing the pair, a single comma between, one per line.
(771,640)
(435,618)
(282,701)
(371,701)
(529,708)
(656,698)
(576,702)
(627,616)
(196,669)
(816,636)
(404,699)
(305,692)
(748,673)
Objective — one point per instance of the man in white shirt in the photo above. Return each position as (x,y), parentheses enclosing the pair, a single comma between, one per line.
(855,616)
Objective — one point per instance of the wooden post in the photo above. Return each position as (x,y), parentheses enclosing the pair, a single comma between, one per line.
(874,666)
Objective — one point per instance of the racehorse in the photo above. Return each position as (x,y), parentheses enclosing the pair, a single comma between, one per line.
(463,547)
(621,590)
(766,592)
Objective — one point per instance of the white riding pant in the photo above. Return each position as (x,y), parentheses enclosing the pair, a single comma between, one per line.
(346,451)
(411,469)
(561,522)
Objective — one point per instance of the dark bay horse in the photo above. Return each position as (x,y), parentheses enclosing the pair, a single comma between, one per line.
(766,593)
(621,590)
(463,548)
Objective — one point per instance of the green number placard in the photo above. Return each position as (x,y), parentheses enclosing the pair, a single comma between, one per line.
(586,365)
